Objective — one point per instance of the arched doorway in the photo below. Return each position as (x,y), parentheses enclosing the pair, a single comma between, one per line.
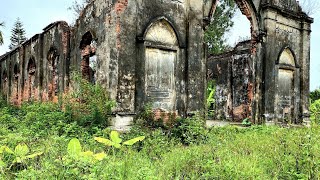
(232,74)
(285,96)
(161,46)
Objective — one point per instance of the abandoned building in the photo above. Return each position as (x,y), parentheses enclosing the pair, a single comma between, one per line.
(154,52)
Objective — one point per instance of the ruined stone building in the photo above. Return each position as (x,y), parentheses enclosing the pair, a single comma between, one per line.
(153,51)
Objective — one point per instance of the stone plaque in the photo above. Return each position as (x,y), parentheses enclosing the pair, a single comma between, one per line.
(160,85)
(285,92)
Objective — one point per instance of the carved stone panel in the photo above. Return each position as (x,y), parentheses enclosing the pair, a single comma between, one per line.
(285,92)
(161,32)
(159,78)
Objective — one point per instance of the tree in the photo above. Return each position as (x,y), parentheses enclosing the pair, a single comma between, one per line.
(221,24)
(310,7)
(315,95)
(18,34)
(77,6)
(1,38)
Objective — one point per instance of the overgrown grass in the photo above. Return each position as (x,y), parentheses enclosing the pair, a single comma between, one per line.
(185,150)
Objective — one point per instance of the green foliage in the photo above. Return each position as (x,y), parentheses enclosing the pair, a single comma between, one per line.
(75,152)
(246,122)
(18,156)
(315,111)
(187,150)
(211,90)
(314,95)
(146,118)
(33,119)
(217,29)
(18,34)
(115,140)
(190,130)
(88,104)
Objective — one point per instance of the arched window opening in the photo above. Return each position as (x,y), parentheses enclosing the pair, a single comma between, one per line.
(285,95)
(31,69)
(16,72)
(52,58)
(160,55)
(89,59)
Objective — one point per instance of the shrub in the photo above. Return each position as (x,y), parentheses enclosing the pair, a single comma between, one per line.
(314,95)
(88,104)
(146,118)
(315,111)
(190,130)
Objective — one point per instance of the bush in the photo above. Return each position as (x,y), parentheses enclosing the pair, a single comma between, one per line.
(314,95)
(187,130)
(154,119)
(190,130)
(88,104)
(315,111)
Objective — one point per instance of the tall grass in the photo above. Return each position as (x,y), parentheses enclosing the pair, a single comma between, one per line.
(187,150)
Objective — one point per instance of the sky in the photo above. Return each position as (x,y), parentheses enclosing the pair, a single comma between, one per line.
(37,14)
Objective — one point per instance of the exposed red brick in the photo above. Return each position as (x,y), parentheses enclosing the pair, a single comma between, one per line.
(65,40)
(241,112)
(120,6)
(85,68)
(166,117)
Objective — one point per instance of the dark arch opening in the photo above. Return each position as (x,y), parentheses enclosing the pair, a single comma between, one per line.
(31,66)
(88,57)
(86,40)
(5,82)
(16,71)
(31,69)
(15,90)
(52,58)
(4,75)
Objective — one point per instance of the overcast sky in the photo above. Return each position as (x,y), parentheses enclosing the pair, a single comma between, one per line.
(37,14)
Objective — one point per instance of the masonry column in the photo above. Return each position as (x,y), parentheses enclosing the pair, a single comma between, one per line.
(305,70)
(196,59)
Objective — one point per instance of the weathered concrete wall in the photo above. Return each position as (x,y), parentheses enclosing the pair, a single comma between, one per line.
(125,38)
(287,28)
(56,60)
(120,29)
(232,72)
(270,84)
(28,74)
(153,52)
